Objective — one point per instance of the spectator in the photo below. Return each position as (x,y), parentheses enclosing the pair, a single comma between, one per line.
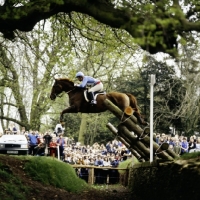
(157,138)
(177,147)
(23,131)
(32,143)
(105,171)
(14,129)
(108,147)
(72,161)
(191,144)
(53,148)
(161,141)
(86,160)
(40,147)
(61,143)
(113,173)
(59,128)
(47,139)
(124,154)
(197,149)
(106,162)
(184,146)
(92,160)
(170,141)
(198,144)
(98,172)
(98,161)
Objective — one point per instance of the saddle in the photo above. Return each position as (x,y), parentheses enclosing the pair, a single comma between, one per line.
(87,96)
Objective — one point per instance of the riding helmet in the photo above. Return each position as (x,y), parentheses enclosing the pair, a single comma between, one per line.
(79,74)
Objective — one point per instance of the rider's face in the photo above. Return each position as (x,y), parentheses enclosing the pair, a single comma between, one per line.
(80,78)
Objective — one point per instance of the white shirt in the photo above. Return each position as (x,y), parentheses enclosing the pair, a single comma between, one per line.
(198,146)
(57,127)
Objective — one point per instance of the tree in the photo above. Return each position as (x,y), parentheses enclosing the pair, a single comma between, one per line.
(154,25)
(168,93)
(26,71)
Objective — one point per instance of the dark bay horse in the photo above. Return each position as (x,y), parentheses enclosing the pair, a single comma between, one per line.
(79,104)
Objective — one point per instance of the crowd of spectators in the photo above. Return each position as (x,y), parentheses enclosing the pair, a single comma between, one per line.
(179,144)
(107,155)
(102,155)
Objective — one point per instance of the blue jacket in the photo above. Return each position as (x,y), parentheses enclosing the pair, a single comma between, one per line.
(114,163)
(88,81)
(33,139)
(62,141)
(98,162)
(185,146)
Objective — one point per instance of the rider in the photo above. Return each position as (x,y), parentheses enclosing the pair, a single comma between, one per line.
(93,84)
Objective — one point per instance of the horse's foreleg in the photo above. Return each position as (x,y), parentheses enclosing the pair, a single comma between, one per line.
(70,109)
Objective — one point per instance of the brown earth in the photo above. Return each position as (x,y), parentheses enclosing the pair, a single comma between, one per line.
(15,166)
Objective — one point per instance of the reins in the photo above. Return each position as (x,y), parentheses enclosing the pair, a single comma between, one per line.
(66,93)
(70,90)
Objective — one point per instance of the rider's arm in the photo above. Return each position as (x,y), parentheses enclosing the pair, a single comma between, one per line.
(84,82)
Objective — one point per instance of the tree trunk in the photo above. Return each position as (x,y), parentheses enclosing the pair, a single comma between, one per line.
(83,127)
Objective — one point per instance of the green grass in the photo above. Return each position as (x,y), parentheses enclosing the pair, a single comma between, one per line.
(11,187)
(187,156)
(127,164)
(53,172)
(46,170)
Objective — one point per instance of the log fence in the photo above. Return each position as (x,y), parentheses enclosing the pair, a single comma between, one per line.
(135,138)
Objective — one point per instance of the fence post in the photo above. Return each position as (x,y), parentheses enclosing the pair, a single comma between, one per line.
(58,150)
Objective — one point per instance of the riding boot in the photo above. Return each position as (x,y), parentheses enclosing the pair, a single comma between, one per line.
(92,98)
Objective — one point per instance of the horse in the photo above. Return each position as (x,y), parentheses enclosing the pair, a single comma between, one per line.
(78,102)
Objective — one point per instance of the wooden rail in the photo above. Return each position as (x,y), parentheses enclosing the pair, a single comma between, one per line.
(91,176)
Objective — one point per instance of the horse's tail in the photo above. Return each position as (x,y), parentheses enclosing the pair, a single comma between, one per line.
(133,103)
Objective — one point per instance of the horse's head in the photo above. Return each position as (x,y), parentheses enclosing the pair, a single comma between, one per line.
(56,90)
(59,86)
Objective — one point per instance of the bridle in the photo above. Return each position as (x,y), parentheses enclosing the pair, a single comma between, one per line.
(55,95)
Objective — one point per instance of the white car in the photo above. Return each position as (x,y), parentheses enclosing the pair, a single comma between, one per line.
(13,144)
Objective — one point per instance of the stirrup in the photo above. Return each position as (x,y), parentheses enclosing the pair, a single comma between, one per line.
(93,102)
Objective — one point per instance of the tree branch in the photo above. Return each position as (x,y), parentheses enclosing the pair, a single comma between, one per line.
(155,27)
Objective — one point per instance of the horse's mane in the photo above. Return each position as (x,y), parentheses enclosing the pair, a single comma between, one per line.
(65,79)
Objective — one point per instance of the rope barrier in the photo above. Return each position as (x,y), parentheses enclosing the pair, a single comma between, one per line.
(125,119)
(144,131)
(141,138)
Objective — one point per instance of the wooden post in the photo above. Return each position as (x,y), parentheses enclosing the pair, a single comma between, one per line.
(134,150)
(91,176)
(134,140)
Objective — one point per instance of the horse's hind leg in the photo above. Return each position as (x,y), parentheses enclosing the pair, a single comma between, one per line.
(139,118)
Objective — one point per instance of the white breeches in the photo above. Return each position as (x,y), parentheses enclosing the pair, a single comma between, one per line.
(98,87)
